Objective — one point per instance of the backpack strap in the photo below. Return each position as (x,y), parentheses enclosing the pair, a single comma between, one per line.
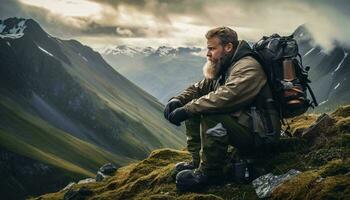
(312,95)
(268,122)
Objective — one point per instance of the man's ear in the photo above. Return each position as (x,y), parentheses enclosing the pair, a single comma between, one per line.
(228,47)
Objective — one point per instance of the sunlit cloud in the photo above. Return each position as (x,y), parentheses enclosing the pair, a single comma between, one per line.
(76,8)
(185,22)
(126,15)
(125,32)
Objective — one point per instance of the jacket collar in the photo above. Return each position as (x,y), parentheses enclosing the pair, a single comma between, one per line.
(243,50)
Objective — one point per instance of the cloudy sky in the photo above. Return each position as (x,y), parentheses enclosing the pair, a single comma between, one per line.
(100,23)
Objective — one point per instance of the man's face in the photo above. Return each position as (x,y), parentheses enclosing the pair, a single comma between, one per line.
(215,49)
(217,56)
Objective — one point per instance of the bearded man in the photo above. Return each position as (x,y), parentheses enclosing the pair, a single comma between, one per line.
(232,105)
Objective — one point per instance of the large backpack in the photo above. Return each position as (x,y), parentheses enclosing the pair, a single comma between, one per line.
(286,75)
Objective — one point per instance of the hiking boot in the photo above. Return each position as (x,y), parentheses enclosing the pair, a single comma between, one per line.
(191,180)
(183,166)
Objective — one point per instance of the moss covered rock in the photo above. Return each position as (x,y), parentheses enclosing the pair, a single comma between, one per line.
(342,111)
(331,181)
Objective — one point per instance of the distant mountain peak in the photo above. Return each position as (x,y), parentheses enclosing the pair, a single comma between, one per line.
(124,50)
(303,34)
(132,51)
(12,27)
(164,50)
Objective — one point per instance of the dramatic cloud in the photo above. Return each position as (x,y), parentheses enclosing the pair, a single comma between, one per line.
(330,24)
(80,8)
(182,22)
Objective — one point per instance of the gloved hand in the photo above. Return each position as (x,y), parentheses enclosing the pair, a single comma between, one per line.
(178,115)
(171,106)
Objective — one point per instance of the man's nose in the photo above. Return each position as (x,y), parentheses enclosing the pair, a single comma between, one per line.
(208,54)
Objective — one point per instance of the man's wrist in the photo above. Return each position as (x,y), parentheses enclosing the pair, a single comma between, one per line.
(188,111)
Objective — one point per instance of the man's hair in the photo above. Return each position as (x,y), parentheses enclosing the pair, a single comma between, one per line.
(225,35)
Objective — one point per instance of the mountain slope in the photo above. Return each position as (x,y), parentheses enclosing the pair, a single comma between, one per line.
(63,106)
(30,138)
(73,82)
(46,142)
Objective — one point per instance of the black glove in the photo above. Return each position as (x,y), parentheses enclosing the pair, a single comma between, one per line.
(171,106)
(178,115)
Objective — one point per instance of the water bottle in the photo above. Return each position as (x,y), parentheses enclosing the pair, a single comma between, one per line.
(290,89)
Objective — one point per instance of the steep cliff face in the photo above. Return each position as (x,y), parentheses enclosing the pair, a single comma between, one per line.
(321,156)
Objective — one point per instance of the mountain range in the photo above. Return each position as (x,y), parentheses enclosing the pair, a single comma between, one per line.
(162,71)
(65,112)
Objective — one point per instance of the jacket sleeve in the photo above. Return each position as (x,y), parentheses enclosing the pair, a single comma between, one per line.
(194,91)
(244,82)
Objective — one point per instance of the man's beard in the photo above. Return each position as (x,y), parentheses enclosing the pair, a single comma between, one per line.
(212,69)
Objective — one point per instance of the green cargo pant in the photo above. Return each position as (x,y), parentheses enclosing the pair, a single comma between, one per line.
(208,137)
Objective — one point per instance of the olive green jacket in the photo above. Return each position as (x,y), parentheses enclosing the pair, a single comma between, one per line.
(234,92)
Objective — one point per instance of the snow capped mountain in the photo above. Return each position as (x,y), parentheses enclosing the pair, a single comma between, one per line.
(329,70)
(166,51)
(123,50)
(132,51)
(147,51)
(12,28)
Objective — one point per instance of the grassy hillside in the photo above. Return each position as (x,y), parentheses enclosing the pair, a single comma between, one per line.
(30,137)
(35,138)
(324,163)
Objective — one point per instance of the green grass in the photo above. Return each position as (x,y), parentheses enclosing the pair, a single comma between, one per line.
(31,136)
